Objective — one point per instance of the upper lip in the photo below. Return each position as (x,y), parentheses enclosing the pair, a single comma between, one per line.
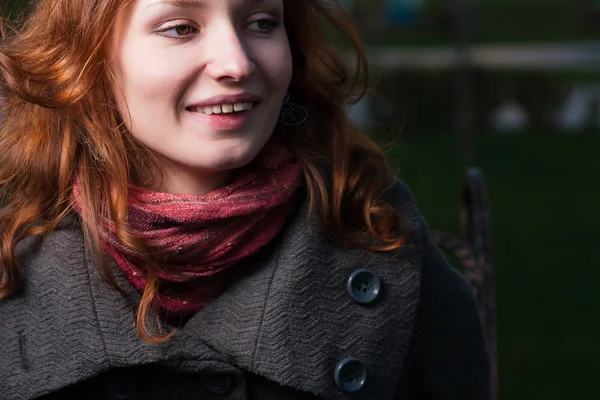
(227,99)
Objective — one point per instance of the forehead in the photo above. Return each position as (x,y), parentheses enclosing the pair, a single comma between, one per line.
(200,3)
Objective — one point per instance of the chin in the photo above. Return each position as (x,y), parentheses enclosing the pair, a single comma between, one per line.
(229,160)
(241,153)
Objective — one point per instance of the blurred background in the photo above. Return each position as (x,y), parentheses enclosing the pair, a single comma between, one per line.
(513,88)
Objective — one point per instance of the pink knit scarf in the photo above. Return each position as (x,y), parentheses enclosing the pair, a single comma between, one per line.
(199,239)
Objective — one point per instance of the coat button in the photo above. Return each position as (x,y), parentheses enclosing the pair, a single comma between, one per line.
(119,386)
(350,375)
(218,384)
(364,286)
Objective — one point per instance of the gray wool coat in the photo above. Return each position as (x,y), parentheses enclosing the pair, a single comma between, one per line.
(288,329)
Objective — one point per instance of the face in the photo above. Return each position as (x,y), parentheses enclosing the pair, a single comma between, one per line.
(200,83)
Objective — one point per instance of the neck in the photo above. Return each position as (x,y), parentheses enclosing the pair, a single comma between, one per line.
(189,184)
(189,181)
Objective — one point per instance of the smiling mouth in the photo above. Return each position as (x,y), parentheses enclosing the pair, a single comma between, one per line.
(224,108)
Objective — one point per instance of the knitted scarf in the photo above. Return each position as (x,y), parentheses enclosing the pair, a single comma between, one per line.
(200,240)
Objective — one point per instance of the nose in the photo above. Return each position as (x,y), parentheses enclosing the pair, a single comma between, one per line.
(228,55)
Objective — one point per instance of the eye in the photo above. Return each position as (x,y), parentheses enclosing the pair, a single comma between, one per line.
(179,31)
(263,25)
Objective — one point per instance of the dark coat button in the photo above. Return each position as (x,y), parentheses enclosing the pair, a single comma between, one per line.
(120,386)
(350,375)
(218,384)
(364,286)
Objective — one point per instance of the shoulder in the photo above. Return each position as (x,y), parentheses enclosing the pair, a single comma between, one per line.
(399,194)
(400,197)
(447,356)
(63,244)
(47,264)
(437,276)
(53,313)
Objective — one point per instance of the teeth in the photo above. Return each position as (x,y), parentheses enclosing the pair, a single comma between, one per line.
(224,108)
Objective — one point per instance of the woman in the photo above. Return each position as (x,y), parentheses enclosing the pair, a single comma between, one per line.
(189,213)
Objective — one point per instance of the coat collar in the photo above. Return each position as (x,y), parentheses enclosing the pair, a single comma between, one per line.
(292,321)
(289,319)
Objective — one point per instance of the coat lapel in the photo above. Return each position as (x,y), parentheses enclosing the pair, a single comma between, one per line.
(292,321)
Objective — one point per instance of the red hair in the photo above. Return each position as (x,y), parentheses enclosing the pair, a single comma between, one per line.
(61,120)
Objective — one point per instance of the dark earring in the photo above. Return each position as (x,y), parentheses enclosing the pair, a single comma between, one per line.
(292,114)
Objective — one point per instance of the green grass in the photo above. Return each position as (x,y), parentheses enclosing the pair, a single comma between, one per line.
(544,195)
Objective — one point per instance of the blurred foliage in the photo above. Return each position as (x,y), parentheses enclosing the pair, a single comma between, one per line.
(422,100)
(492,20)
(543,208)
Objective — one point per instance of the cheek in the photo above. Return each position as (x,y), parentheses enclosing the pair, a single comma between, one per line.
(149,93)
(276,64)
(147,72)
(286,69)
(149,80)
(289,67)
